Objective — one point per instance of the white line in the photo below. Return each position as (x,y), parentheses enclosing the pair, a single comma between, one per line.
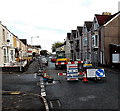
(51,104)
(35,75)
(59,103)
(43,94)
(42,86)
(42,90)
(42,83)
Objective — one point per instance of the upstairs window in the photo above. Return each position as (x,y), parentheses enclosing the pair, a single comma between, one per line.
(85,41)
(77,35)
(95,40)
(95,26)
(3,35)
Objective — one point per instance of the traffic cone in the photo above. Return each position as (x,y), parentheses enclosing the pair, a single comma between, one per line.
(85,78)
(45,77)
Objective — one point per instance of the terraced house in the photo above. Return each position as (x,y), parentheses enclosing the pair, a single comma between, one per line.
(98,41)
(14,51)
(6,46)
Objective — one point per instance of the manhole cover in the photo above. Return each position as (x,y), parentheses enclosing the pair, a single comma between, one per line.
(55,103)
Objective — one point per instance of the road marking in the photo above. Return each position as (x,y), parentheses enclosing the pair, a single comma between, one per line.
(42,86)
(43,93)
(43,90)
(55,103)
(35,75)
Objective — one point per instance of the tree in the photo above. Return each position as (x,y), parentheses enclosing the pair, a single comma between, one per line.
(55,45)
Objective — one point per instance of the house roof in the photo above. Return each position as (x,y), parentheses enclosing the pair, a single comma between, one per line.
(102,19)
(37,46)
(88,25)
(73,32)
(112,17)
(24,41)
(68,35)
(79,28)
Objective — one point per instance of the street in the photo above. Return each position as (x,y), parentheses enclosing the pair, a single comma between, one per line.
(61,94)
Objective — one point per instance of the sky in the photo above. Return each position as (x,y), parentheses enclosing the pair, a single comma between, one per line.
(51,20)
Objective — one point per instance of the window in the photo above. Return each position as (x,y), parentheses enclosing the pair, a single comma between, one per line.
(3,35)
(12,55)
(95,26)
(85,41)
(5,55)
(77,35)
(95,40)
(77,42)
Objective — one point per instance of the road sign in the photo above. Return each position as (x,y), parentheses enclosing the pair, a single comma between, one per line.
(100,73)
(72,71)
(91,73)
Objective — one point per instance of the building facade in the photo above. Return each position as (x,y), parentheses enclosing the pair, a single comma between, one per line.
(110,34)
(7,50)
(98,41)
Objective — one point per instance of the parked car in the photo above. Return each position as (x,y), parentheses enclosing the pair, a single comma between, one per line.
(50,57)
(53,59)
(44,61)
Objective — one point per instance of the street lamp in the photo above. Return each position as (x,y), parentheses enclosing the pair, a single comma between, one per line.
(34,37)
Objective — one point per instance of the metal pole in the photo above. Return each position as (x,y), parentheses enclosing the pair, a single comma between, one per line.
(20,61)
(34,37)
(31,40)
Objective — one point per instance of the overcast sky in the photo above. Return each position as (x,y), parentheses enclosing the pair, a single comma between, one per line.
(51,20)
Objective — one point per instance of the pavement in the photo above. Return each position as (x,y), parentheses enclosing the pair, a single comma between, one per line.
(33,67)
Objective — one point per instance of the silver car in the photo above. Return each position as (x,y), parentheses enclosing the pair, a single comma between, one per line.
(44,61)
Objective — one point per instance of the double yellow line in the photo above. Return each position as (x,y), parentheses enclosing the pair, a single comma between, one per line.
(11,92)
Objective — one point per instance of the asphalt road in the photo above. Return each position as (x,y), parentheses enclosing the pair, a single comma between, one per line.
(61,95)
(72,95)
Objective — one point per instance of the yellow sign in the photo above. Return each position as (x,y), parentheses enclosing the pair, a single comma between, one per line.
(87,65)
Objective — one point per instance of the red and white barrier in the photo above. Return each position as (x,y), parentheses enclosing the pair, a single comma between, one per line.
(74,62)
(61,74)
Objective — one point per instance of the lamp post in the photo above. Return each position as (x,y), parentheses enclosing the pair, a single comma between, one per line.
(32,43)
(34,37)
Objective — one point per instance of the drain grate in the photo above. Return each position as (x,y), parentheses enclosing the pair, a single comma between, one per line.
(55,103)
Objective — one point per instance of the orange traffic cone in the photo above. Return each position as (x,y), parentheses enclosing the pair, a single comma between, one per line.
(85,78)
